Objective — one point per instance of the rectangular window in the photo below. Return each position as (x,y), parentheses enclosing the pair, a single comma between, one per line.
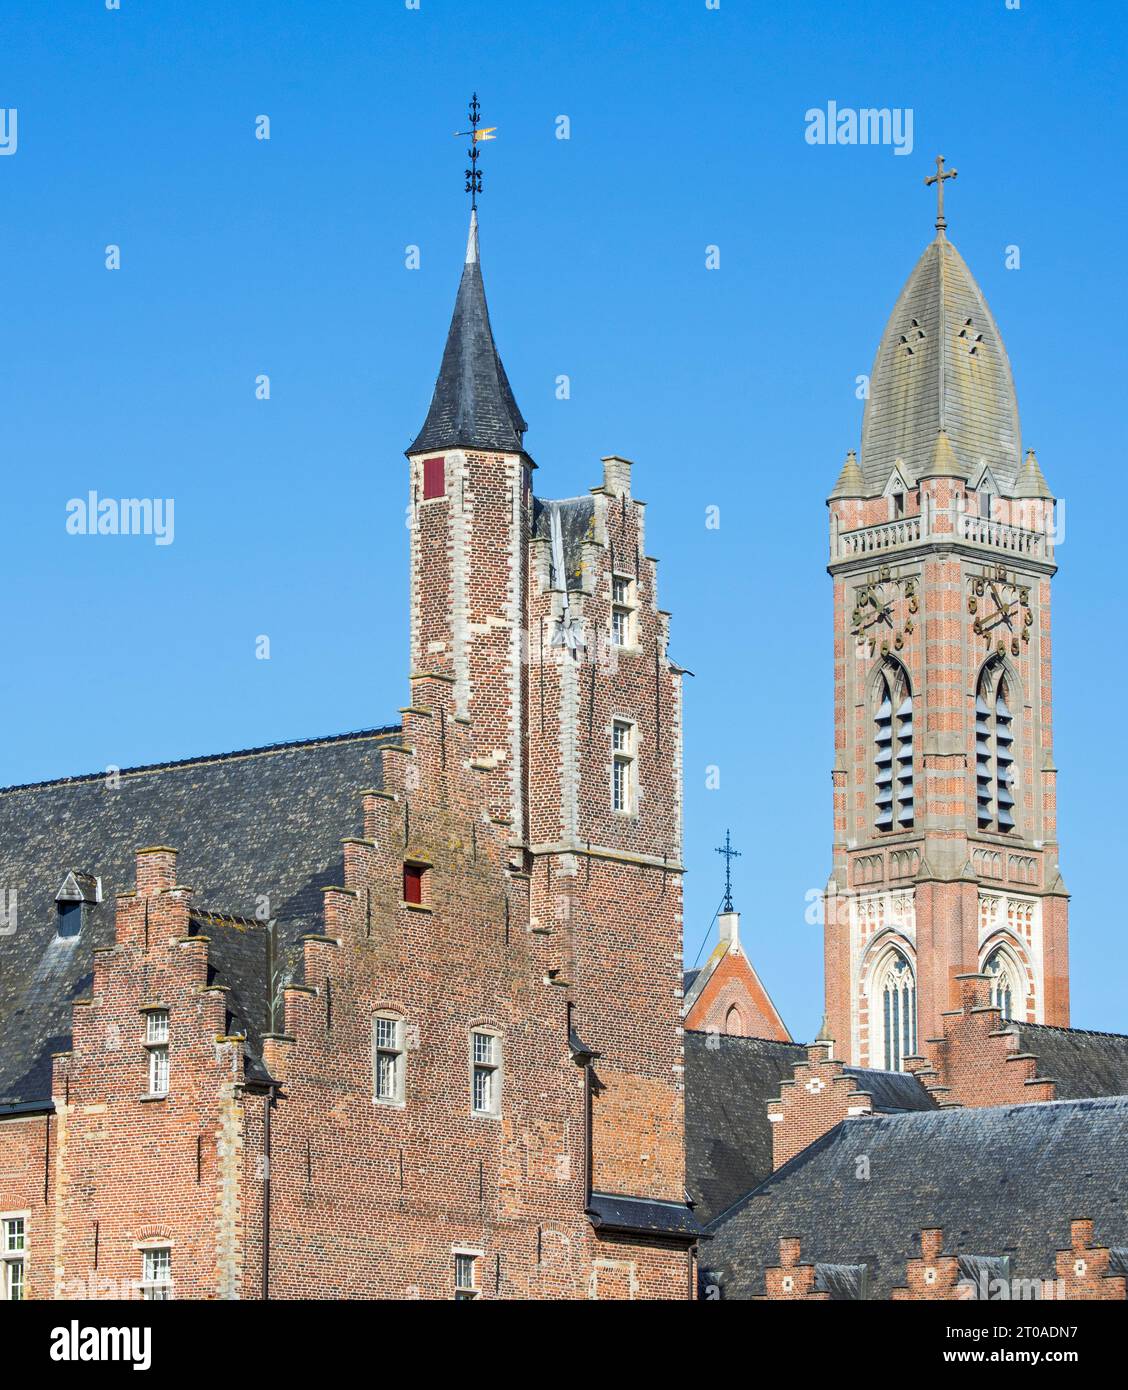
(466,1277)
(156,1040)
(158,1071)
(434,478)
(388,1059)
(156,1026)
(13,1254)
(485,1060)
(898,504)
(156,1275)
(622,610)
(622,767)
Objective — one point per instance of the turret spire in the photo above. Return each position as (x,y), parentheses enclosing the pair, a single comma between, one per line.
(472,406)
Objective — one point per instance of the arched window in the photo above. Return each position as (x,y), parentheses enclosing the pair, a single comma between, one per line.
(734,1024)
(1005,991)
(896,993)
(893,751)
(994,751)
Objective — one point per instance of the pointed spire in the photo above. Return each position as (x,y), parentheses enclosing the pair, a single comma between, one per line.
(472,406)
(850,482)
(1030,481)
(944,463)
(824,1033)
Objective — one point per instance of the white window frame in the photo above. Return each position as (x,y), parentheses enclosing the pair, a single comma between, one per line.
(624,607)
(397,1051)
(13,1256)
(157,1043)
(156,1285)
(624,765)
(466,1261)
(492,1069)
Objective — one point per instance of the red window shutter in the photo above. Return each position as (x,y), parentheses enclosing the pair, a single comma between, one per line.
(434,478)
(412,883)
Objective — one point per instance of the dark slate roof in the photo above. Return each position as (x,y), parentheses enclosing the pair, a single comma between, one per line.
(728,1140)
(472,406)
(265,822)
(892,1091)
(612,1212)
(1083,1064)
(577,517)
(999,1181)
(688,979)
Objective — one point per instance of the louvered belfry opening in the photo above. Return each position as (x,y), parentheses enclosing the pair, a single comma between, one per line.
(893,758)
(994,753)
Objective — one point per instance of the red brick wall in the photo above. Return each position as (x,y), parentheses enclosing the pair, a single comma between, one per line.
(27,1188)
(820,1097)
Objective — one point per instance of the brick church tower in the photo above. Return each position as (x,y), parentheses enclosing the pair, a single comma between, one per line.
(941,555)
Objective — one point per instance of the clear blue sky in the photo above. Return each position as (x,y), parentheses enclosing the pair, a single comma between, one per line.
(732,388)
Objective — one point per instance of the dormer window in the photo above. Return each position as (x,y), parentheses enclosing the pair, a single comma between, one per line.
(898,504)
(69,920)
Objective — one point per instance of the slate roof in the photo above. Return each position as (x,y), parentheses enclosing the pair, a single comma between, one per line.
(891,1091)
(1082,1063)
(941,364)
(728,1140)
(577,519)
(472,406)
(267,821)
(998,1181)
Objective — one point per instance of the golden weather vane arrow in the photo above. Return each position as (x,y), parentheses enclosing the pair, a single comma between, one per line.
(474,174)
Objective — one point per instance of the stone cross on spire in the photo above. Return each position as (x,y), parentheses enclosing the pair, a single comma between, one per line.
(938,179)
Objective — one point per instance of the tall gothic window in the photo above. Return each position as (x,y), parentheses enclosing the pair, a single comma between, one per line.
(994,752)
(893,751)
(897,992)
(1004,984)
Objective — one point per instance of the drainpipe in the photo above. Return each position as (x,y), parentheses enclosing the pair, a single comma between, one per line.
(268,1106)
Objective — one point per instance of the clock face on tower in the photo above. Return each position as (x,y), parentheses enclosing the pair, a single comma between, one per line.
(885,608)
(1000,608)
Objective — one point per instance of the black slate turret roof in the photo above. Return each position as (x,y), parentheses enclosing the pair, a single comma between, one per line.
(473,405)
(267,822)
(1004,1181)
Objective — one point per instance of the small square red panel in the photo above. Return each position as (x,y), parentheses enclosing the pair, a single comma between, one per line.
(434,478)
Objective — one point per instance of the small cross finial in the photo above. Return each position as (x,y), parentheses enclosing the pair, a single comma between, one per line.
(474,174)
(730,854)
(938,179)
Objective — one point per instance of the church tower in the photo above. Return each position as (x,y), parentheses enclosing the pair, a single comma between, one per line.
(941,555)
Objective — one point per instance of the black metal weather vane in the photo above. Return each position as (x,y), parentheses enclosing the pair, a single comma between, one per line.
(474,174)
(730,854)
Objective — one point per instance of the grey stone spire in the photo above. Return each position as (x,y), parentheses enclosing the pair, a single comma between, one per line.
(941,366)
(472,406)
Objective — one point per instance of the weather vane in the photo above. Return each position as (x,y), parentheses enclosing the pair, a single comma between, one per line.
(474,174)
(938,179)
(730,854)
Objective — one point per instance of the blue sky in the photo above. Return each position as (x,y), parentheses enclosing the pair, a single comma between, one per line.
(732,387)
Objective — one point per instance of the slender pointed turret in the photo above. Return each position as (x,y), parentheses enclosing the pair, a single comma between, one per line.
(473,405)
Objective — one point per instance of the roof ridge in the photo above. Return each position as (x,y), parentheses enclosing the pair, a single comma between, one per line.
(207,758)
(1058,1028)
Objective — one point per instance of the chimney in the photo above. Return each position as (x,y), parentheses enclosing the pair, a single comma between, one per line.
(617,475)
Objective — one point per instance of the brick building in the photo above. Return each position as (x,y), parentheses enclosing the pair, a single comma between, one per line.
(948,1135)
(414,1029)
